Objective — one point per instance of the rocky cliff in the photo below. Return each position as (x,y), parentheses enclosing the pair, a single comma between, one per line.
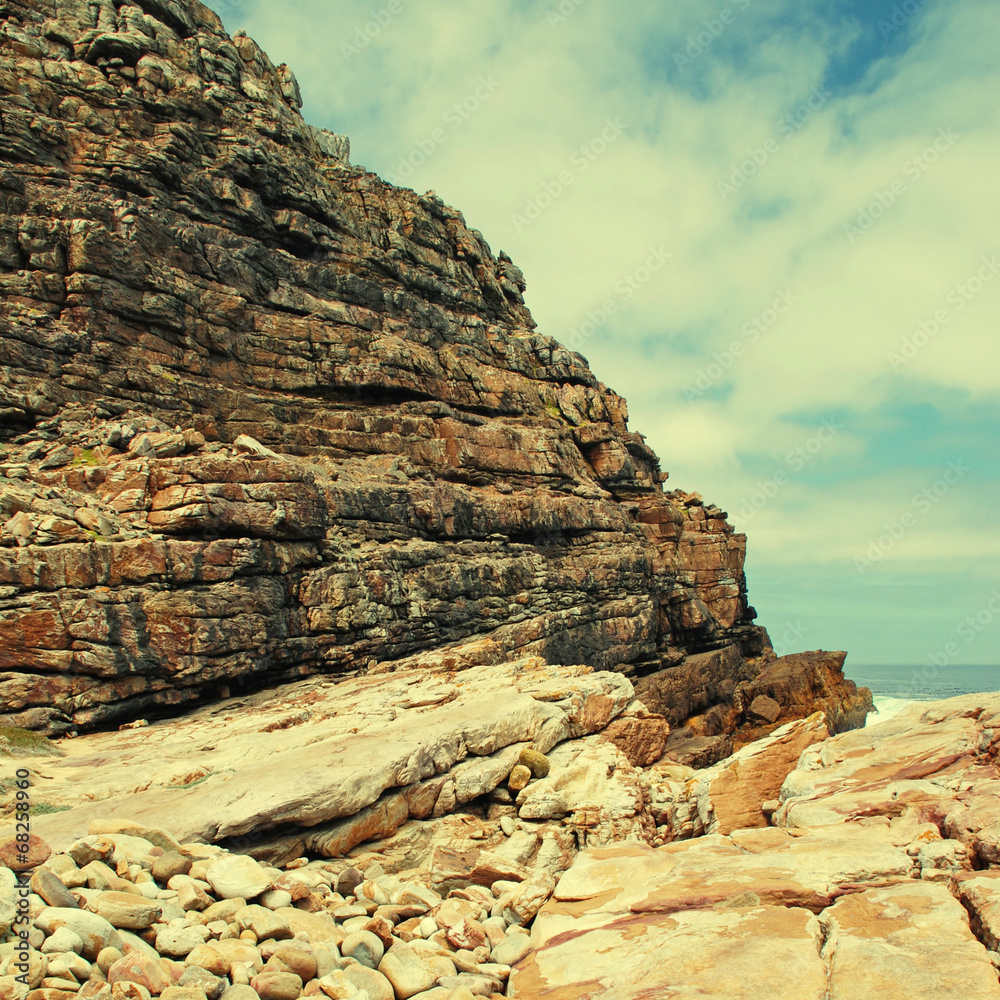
(263,415)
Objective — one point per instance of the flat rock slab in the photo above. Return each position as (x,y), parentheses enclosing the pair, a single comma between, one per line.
(315,751)
(910,941)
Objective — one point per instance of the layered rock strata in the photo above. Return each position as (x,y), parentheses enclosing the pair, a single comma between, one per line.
(264,415)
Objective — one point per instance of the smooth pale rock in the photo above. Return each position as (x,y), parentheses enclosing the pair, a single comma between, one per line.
(277,985)
(334,810)
(363,947)
(373,982)
(296,959)
(264,923)
(240,993)
(107,958)
(62,939)
(94,931)
(208,957)
(224,910)
(178,942)
(911,941)
(241,952)
(237,876)
(201,979)
(191,896)
(406,970)
(511,950)
(275,899)
(126,911)
(337,986)
(183,993)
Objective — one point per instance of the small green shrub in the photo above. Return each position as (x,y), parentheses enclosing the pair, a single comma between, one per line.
(15,742)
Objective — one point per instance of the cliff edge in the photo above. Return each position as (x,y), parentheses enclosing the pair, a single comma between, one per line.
(264,415)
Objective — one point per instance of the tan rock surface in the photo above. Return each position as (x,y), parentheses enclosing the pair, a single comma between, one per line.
(853,900)
(731,795)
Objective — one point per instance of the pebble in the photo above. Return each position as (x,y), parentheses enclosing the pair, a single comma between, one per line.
(52,889)
(139,968)
(512,949)
(178,942)
(63,940)
(237,992)
(373,982)
(277,985)
(191,896)
(125,911)
(363,947)
(182,993)
(519,777)
(296,960)
(348,880)
(205,956)
(127,990)
(107,958)
(212,986)
(275,899)
(94,931)
(536,762)
(237,876)
(296,937)
(15,857)
(406,971)
(170,864)
(263,923)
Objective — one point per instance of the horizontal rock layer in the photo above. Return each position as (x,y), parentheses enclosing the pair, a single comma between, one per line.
(266,415)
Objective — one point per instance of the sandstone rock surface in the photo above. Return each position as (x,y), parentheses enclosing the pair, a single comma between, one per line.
(320,767)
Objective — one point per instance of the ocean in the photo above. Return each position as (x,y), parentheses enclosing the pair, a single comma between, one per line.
(896,687)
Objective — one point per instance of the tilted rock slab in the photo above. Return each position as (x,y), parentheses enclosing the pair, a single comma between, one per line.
(341,763)
(865,891)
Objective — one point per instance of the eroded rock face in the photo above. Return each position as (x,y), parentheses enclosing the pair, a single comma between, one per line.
(264,415)
(865,888)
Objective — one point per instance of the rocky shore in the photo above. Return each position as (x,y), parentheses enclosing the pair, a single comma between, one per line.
(351,645)
(804,866)
(265,416)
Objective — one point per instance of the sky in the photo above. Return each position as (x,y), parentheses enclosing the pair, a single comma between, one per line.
(773,227)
